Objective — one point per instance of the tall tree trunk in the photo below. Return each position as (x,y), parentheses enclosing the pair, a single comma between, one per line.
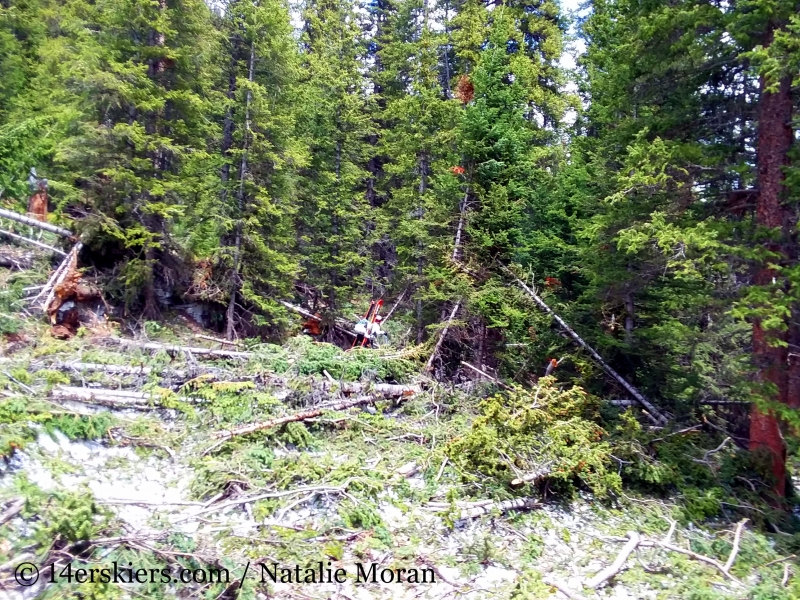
(774,142)
(228,124)
(237,252)
(153,223)
(423,186)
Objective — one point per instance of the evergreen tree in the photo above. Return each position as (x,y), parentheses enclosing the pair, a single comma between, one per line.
(332,223)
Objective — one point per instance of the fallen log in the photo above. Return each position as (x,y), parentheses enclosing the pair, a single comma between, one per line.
(533,476)
(14,508)
(301,416)
(654,414)
(605,574)
(339,324)
(387,390)
(90,396)
(216,340)
(31,242)
(429,364)
(14,216)
(20,263)
(175,350)
(505,506)
(67,265)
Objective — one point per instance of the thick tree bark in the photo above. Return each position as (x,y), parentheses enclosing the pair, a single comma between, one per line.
(774,142)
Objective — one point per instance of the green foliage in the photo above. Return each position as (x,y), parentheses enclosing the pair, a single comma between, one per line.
(548,429)
(314,359)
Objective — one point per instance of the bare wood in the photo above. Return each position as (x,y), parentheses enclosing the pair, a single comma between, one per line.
(442,335)
(485,374)
(12,511)
(216,340)
(25,240)
(14,216)
(562,588)
(174,350)
(655,414)
(69,262)
(20,263)
(780,560)
(387,390)
(340,324)
(51,283)
(322,489)
(709,561)
(396,304)
(785,578)
(735,550)
(460,229)
(615,567)
(505,506)
(301,416)
(533,476)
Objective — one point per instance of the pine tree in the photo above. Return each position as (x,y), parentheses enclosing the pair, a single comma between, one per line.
(332,222)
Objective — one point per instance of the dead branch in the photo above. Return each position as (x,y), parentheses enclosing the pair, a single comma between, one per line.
(442,335)
(654,414)
(20,263)
(615,567)
(176,350)
(31,242)
(301,416)
(111,398)
(505,506)
(216,340)
(396,304)
(533,476)
(12,511)
(387,390)
(735,550)
(562,588)
(67,265)
(709,561)
(485,374)
(8,214)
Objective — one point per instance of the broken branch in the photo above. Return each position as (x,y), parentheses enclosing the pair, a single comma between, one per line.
(301,416)
(655,415)
(31,242)
(442,335)
(615,567)
(8,214)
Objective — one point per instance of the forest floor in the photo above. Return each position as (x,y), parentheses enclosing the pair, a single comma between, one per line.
(90,479)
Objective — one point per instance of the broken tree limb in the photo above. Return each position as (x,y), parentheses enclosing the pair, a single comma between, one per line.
(442,335)
(175,350)
(396,304)
(31,242)
(67,265)
(340,324)
(9,214)
(505,506)
(735,549)
(485,374)
(562,588)
(655,415)
(301,416)
(615,567)
(216,340)
(387,390)
(12,511)
(533,476)
(20,263)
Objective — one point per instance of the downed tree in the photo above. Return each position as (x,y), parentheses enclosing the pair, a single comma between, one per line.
(20,263)
(654,414)
(9,214)
(485,374)
(505,506)
(67,265)
(301,416)
(176,350)
(31,242)
(387,390)
(109,397)
(442,335)
(340,324)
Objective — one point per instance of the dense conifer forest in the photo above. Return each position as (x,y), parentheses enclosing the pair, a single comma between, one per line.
(589,208)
